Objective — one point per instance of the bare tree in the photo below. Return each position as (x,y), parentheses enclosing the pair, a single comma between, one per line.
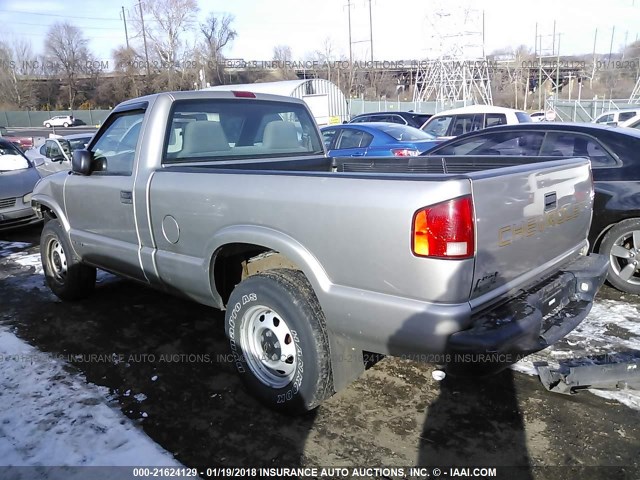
(283,56)
(67,50)
(171,19)
(217,33)
(17,69)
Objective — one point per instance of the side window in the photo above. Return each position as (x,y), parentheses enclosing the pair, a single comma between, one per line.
(623,116)
(364,118)
(352,138)
(438,126)
(54,150)
(605,118)
(494,119)
(117,145)
(467,123)
(397,119)
(327,137)
(503,143)
(568,144)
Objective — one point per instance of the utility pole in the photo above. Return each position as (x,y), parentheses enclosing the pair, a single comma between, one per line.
(144,40)
(350,42)
(126,35)
(613,32)
(371,33)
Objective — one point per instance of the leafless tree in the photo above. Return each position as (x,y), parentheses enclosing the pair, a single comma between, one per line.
(17,72)
(217,33)
(282,54)
(68,53)
(169,20)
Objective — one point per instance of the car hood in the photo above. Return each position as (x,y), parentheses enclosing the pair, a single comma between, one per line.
(16,183)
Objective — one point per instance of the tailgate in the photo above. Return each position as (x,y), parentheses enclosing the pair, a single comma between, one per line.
(528,219)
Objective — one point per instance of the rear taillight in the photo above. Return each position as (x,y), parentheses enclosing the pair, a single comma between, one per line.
(444,230)
(404,152)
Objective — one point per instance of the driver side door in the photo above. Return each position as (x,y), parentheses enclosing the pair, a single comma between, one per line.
(100,206)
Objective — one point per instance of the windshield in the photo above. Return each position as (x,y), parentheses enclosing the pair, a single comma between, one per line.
(404,133)
(11,159)
(437,126)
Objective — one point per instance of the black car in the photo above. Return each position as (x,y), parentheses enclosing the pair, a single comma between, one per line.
(412,119)
(615,160)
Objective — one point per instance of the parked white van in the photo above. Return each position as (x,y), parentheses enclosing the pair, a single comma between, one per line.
(451,123)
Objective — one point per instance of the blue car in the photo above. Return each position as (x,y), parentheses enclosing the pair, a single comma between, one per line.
(376,139)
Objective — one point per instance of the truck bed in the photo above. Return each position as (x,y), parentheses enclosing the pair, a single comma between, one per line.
(445,165)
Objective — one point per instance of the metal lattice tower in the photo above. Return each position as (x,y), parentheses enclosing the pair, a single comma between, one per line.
(635,95)
(456,71)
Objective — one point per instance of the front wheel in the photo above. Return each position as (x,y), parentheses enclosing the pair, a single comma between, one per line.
(48,125)
(65,275)
(622,245)
(279,341)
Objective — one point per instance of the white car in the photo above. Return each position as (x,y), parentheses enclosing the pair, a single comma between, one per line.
(54,155)
(451,123)
(617,117)
(59,121)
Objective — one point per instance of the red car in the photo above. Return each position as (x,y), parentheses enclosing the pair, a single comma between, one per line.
(24,143)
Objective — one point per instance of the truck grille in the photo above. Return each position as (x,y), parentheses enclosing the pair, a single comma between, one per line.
(7,202)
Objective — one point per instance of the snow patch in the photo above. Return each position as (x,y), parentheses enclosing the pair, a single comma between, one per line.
(49,416)
(7,248)
(611,327)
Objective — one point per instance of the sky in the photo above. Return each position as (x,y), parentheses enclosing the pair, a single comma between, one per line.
(402,30)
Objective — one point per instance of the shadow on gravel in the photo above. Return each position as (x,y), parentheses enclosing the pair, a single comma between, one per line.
(476,422)
(166,363)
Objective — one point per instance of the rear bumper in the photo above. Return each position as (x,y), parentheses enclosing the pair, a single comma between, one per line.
(531,322)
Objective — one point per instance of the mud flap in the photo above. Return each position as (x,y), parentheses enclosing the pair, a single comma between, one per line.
(608,372)
(347,363)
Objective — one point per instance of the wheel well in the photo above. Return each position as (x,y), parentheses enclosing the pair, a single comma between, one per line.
(234,262)
(46,212)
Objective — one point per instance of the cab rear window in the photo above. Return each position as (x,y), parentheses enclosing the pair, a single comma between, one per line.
(205,130)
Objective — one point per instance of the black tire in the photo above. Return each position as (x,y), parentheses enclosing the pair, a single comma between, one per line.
(266,308)
(621,249)
(65,275)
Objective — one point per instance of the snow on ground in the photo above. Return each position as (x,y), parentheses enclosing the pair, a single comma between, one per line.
(50,415)
(611,327)
(6,248)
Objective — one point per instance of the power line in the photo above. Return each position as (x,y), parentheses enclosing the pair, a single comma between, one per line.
(63,16)
(83,27)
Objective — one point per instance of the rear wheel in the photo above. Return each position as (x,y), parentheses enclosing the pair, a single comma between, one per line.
(278,338)
(65,124)
(65,275)
(622,245)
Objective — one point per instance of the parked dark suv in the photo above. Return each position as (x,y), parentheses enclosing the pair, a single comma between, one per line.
(412,119)
(615,159)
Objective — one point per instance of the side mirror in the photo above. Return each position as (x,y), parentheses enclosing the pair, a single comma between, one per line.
(81,162)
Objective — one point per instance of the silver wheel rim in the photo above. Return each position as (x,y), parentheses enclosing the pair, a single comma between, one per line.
(57,259)
(625,257)
(268,346)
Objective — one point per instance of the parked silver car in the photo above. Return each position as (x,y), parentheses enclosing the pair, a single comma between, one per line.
(17,179)
(55,153)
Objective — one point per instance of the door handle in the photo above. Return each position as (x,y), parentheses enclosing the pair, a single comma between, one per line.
(126,197)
